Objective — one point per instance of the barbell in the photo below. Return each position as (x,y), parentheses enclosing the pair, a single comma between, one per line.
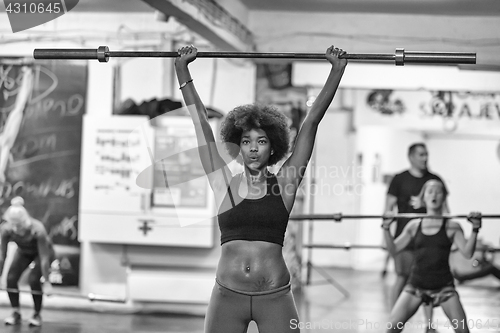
(91,296)
(349,246)
(346,246)
(339,216)
(400,57)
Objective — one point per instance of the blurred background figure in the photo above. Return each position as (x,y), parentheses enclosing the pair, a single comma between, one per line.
(34,250)
(480,265)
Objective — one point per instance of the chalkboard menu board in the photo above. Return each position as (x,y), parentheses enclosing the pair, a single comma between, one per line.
(44,167)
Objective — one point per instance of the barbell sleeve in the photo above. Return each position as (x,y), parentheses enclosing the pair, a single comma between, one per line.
(439,57)
(399,58)
(59,54)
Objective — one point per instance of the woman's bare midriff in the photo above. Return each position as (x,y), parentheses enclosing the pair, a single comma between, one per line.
(252,266)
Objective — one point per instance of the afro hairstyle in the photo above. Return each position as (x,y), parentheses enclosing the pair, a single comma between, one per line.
(254,116)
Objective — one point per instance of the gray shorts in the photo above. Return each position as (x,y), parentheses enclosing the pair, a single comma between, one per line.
(433,297)
(231,311)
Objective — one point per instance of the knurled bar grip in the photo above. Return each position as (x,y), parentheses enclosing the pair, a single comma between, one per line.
(400,57)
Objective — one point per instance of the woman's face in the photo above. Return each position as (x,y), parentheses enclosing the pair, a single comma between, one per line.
(255,148)
(434,196)
(21,227)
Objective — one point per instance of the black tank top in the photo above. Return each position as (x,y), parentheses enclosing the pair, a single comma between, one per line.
(263,219)
(28,243)
(431,269)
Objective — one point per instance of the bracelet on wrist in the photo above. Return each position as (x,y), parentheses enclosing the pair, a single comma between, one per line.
(185,84)
(476,230)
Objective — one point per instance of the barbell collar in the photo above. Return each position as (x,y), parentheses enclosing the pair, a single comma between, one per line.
(103,54)
(400,57)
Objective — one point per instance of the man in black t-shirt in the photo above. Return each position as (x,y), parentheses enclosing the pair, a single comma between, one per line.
(402,195)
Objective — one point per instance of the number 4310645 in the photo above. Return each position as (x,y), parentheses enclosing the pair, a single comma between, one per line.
(33,8)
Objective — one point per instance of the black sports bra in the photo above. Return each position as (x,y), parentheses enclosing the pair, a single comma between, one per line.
(263,219)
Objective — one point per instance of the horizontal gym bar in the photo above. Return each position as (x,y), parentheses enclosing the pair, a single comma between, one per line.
(400,57)
(339,216)
(91,297)
(17,61)
(345,247)
(360,246)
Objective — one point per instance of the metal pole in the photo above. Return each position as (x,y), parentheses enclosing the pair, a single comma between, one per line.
(90,297)
(378,247)
(338,216)
(345,247)
(400,57)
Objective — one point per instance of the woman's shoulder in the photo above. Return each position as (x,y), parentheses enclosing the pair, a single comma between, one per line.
(453,225)
(271,174)
(275,178)
(235,179)
(6,228)
(413,225)
(38,227)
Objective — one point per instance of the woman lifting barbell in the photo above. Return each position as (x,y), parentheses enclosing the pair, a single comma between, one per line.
(252,279)
(431,281)
(33,246)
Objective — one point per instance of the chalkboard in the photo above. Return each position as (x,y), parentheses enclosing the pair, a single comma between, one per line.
(45,159)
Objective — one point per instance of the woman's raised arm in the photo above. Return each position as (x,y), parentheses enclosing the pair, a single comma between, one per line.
(214,165)
(293,169)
